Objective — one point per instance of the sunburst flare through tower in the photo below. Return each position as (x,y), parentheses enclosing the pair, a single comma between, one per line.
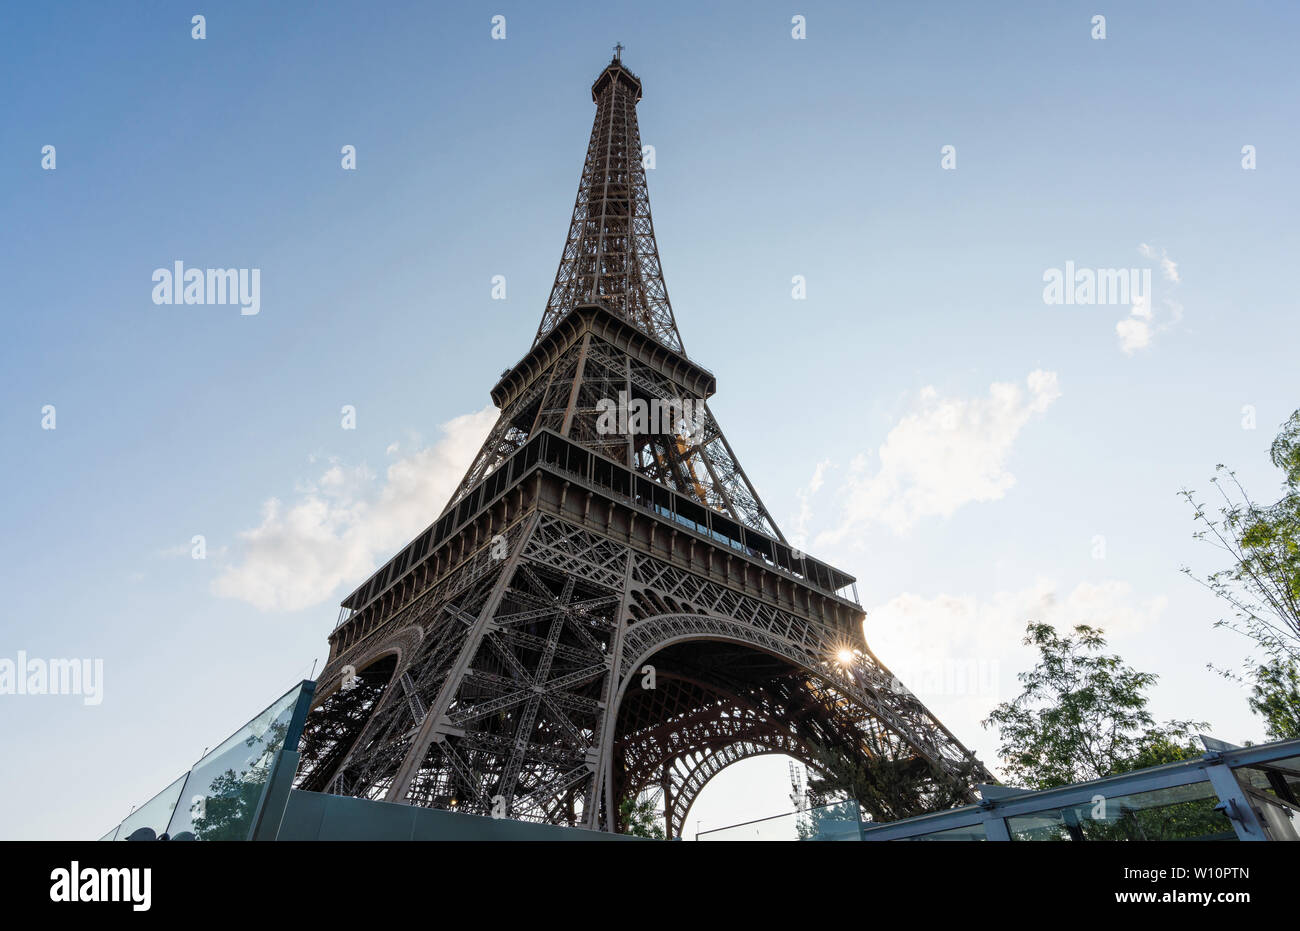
(605,611)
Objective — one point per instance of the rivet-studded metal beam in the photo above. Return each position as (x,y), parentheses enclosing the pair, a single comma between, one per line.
(605,613)
(610,256)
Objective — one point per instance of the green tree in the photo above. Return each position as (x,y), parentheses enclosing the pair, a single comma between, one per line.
(1276,699)
(1082,715)
(640,818)
(1262,581)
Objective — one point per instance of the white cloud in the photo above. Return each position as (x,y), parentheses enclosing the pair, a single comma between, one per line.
(1134,334)
(960,654)
(1138,329)
(946,453)
(960,624)
(805,496)
(1167,265)
(341,526)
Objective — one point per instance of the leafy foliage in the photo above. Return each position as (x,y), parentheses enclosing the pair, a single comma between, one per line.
(640,818)
(1262,584)
(1082,715)
(232,796)
(227,815)
(1276,699)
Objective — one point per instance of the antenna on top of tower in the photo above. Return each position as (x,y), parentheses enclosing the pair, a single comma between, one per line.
(618,51)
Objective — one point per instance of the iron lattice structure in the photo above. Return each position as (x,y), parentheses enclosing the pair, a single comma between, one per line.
(605,610)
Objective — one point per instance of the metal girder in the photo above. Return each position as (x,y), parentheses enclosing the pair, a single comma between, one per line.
(499,664)
(610,255)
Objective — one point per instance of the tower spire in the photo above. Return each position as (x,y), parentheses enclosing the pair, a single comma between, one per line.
(610,255)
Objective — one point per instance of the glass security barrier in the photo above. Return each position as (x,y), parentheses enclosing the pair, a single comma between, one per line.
(836,821)
(1274,789)
(1281,820)
(968,832)
(223,792)
(150,819)
(1229,793)
(1184,812)
(221,798)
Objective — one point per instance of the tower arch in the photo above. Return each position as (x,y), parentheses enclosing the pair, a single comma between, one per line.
(724,690)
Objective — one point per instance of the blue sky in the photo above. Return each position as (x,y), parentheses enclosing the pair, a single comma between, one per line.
(965,509)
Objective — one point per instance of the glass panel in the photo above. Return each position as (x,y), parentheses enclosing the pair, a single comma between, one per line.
(224,791)
(150,819)
(110,835)
(778,827)
(967,832)
(1274,788)
(837,821)
(1178,813)
(1281,820)
(1280,778)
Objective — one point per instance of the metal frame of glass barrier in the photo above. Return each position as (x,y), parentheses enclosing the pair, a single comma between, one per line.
(1248,794)
(1272,785)
(1229,793)
(150,819)
(237,790)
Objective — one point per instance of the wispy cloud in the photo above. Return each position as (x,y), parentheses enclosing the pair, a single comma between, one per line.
(339,525)
(946,453)
(960,654)
(1138,329)
(799,536)
(1168,267)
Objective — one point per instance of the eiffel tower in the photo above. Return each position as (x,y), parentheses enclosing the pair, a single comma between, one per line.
(606,611)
